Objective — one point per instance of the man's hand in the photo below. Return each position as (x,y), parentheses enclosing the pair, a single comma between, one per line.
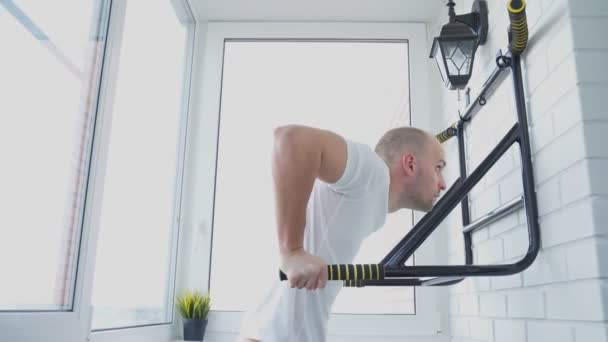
(304,270)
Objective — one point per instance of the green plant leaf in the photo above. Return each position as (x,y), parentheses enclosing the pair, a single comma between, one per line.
(193,304)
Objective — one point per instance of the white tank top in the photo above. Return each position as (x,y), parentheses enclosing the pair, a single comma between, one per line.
(339,217)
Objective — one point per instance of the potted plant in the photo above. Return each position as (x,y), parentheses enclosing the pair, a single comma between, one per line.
(194,307)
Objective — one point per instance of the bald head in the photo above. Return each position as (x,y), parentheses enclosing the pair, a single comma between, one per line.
(398,140)
(415,159)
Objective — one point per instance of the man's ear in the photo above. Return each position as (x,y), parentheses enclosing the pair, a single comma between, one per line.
(408,163)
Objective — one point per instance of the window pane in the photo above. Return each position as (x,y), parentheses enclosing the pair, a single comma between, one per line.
(133,274)
(47,74)
(357,89)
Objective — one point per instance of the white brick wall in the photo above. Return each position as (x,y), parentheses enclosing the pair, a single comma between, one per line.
(562,296)
(482,329)
(493,304)
(469,304)
(591,332)
(526,304)
(554,332)
(576,300)
(549,267)
(509,330)
(582,263)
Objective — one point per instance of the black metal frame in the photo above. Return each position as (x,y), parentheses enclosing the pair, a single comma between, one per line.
(392,270)
(396,274)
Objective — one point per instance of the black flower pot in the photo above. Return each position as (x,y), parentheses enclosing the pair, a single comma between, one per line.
(194,329)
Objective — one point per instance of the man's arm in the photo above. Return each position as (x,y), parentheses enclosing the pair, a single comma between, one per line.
(302,154)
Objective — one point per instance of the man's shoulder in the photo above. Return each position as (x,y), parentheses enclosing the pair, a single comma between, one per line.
(367,154)
(364,168)
(363,149)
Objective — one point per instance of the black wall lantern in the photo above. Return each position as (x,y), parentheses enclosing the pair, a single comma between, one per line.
(454,49)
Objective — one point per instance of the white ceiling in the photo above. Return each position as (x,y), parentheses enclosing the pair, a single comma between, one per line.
(317,10)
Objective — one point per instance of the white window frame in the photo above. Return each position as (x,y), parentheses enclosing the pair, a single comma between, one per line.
(166,331)
(75,325)
(430,301)
(71,326)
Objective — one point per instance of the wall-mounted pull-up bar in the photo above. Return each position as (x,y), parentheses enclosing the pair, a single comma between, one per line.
(391,271)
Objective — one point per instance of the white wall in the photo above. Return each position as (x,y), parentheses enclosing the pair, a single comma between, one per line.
(562,296)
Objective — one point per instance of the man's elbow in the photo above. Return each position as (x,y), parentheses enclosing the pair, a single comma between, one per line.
(298,140)
(285,132)
(289,135)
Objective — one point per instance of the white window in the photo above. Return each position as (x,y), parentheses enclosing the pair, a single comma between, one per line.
(92,140)
(358,89)
(260,76)
(44,147)
(50,68)
(135,263)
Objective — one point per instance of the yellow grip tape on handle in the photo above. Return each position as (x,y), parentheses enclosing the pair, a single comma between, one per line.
(355,272)
(519,27)
(447,133)
(516,10)
(353,283)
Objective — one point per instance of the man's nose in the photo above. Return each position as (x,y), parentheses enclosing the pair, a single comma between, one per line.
(441,184)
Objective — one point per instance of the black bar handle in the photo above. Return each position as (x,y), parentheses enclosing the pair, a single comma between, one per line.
(448,133)
(350,272)
(354,283)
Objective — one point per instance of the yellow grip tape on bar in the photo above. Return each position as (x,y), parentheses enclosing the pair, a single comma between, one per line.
(355,272)
(516,10)
(447,133)
(519,27)
(353,283)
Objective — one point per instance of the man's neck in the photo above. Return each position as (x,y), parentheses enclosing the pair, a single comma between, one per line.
(393,196)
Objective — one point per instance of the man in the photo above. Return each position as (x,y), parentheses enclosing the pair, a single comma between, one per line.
(331,193)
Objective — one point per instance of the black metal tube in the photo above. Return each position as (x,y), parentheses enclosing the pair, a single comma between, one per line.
(442,281)
(438,281)
(487,90)
(454,270)
(526,163)
(383,282)
(464,204)
(415,237)
(495,215)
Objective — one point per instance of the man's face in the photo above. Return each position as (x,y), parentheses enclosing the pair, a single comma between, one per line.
(428,177)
